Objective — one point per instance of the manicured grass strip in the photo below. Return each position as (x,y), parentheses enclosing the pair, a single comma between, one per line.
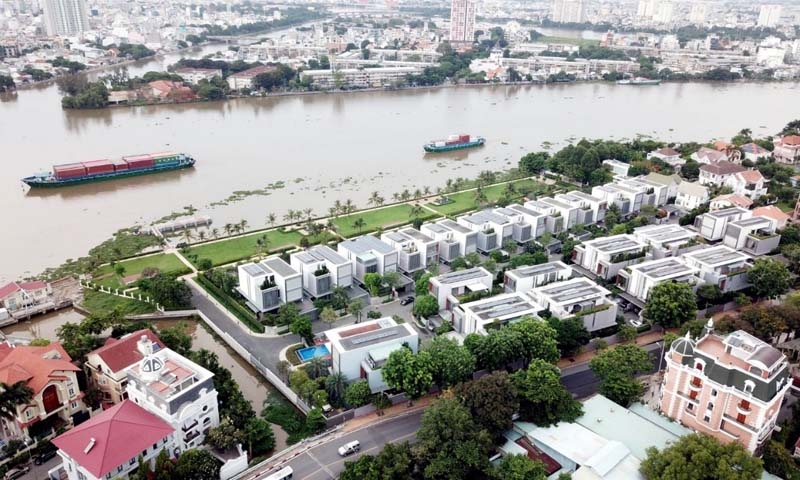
(238,248)
(465,201)
(99,302)
(240,312)
(164,262)
(581,42)
(388,217)
(291,354)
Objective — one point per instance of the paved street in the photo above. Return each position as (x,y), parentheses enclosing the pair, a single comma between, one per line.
(581,382)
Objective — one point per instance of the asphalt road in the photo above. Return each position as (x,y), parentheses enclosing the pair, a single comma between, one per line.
(322,462)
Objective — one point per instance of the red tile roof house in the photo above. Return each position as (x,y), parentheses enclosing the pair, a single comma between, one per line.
(15,296)
(667,155)
(708,155)
(718,173)
(57,400)
(787,149)
(110,444)
(167,90)
(105,367)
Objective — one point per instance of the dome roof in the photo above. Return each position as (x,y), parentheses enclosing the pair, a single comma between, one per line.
(683,345)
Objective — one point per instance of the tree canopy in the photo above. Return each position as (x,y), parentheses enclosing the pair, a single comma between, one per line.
(491,400)
(408,372)
(770,278)
(700,457)
(671,304)
(450,362)
(616,368)
(543,398)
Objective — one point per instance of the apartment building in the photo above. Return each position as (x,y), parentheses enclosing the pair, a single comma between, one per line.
(591,209)
(578,297)
(196,75)
(414,248)
(446,288)
(105,366)
(754,235)
(454,240)
(369,255)
(462,21)
(730,387)
(369,77)
(176,389)
(639,279)
(321,269)
(492,312)
(521,230)
(523,279)
(537,220)
(605,256)
(721,266)
(787,149)
(65,17)
(359,351)
(269,284)
(492,229)
(245,78)
(667,240)
(712,225)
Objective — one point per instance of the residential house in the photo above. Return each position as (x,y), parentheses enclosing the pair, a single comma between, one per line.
(639,279)
(721,266)
(578,297)
(749,183)
(111,443)
(553,220)
(755,235)
(691,195)
(617,167)
(449,286)
(168,90)
(269,284)
(712,225)
(244,79)
(321,269)
(668,155)
(105,366)
(176,389)
(521,230)
(629,200)
(591,209)
(523,279)
(492,229)
(57,400)
(730,200)
(454,240)
(196,75)
(787,149)
(671,182)
(718,173)
(753,152)
(369,255)
(414,248)
(774,213)
(537,220)
(708,156)
(605,256)
(730,387)
(492,312)
(359,351)
(667,240)
(25,295)
(653,193)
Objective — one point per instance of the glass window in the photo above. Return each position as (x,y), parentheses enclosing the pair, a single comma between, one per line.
(713,392)
(706,419)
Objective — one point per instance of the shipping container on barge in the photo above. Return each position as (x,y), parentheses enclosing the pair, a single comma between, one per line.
(68,174)
(454,142)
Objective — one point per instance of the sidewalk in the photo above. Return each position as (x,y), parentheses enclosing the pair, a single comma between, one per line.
(391,412)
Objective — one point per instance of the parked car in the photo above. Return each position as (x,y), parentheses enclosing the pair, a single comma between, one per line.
(17,472)
(635,322)
(407,300)
(348,448)
(44,457)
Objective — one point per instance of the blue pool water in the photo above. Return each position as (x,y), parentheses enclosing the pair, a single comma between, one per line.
(306,354)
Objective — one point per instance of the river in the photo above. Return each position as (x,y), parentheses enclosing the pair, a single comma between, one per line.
(254,387)
(325,147)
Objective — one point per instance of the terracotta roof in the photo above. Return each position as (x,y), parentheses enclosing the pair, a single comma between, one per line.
(751,176)
(667,152)
(791,140)
(35,365)
(721,145)
(722,168)
(711,154)
(8,289)
(735,200)
(121,354)
(119,433)
(773,212)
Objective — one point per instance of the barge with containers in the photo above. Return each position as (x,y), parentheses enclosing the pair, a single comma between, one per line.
(68,174)
(454,142)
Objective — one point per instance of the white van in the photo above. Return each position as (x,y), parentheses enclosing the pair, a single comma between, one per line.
(349,448)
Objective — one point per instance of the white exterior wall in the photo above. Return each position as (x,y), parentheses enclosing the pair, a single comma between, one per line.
(76,472)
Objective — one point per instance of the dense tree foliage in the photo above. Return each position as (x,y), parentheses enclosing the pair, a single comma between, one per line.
(571,334)
(543,398)
(425,306)
(169,291)
(770,278)
(358,393)
(700,457)
(6,83)
(394,462)
(491,400)
(451,363)
(520,467)
(408,372)
(70,66)
(671,304)
(94,95)
(617,368)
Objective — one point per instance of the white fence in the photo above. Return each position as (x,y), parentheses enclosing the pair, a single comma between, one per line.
(123,294)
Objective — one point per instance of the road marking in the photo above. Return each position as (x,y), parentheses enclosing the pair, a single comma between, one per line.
(325,467)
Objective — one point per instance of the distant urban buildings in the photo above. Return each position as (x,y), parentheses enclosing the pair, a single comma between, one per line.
(65,17)
(462,21)
(769,15)
(568,11)
(698,13)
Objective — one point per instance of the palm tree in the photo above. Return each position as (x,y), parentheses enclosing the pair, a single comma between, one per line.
(449,185)
(332,225)
(309,213)
(243,224)
(337,206)
(13,395)
(359,224)
(259,246)
(187,235)
(201,235)
(335,385)
(417,193)
(374,199)
(405,195)
(332,211)
(396,197)
(289,216)
(349,207)
(271,218)
(480,196)
(415,211)
(215,232)
(426,191)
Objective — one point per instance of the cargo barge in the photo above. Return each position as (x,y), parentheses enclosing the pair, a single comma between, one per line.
(454,142)
(639,81)
(100,170)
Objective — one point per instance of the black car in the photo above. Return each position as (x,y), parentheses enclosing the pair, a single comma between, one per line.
(407,300)
(43,457)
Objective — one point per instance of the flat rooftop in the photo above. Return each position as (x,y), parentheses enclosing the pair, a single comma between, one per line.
(366,244)
(461,276)
(320,253)
(752,222)
(727,212)
(524,210)
(416,234)
(571,291)
(479,218)
(719,255)
(555,203)
(255,269)
(435,227)
(535,270)
(663,234)
(501,306)
(279,267)
(617,243)
(664,268)
(353,337)
(585,196)
(454,226)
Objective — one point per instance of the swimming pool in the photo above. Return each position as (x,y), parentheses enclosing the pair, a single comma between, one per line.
(306,354)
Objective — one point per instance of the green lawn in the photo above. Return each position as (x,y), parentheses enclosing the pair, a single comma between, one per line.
(465,201)
(374,219)
(785,207)
(168,263)
(568,40)
(238,248)
(103,302)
